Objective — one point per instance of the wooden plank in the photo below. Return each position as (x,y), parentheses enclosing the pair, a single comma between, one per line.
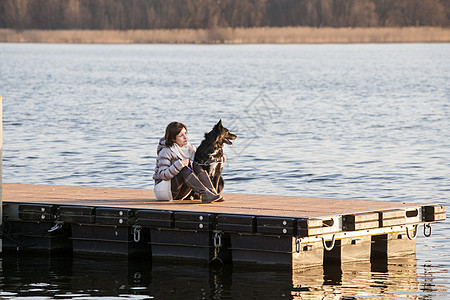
(364,225)
(393,222)
(359,218)
(393,214)
(283,206)
(392,217)
(360,221)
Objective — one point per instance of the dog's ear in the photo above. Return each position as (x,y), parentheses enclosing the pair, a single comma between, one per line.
(219,124)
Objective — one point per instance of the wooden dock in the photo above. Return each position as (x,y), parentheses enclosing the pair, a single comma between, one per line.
(273,230)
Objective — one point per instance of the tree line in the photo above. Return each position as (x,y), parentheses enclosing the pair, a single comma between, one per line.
(203,14)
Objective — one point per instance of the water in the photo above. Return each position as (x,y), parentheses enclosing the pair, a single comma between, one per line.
(341,121)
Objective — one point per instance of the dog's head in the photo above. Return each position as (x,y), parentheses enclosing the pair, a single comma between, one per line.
(223,134)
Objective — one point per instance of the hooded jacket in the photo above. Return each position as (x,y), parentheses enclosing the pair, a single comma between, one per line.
(168,164)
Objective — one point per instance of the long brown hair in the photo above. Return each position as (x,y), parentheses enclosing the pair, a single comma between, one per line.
(172,130)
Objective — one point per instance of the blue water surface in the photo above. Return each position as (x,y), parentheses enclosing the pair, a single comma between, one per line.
(361,121)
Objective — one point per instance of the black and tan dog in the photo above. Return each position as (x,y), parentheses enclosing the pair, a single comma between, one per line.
(210,153)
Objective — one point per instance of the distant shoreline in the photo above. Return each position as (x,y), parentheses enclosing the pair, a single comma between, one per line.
(257,35)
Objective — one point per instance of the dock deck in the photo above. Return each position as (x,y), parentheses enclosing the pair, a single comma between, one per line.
(273,230)
(262,205)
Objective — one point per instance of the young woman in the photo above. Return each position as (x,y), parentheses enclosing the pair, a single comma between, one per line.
(176,173)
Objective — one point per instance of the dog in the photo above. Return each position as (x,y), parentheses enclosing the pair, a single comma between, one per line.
(209,154)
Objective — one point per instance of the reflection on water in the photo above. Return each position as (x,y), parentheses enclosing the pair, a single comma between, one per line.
(79,278)
(392,278)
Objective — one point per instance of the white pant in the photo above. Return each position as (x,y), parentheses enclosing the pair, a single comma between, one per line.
(163,190)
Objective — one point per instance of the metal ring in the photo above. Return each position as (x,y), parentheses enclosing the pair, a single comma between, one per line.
(333,241)
(218,239)
(425,226)
(297,245)
(415,232)
(137,234)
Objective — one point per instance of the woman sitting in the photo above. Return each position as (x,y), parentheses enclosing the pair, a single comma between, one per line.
(176,173)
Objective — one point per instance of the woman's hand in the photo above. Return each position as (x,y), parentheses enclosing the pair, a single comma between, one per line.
(185,162)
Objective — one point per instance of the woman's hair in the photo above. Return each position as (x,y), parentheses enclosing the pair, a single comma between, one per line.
(172,130)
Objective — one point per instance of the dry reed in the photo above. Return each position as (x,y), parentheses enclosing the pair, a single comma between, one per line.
(262,35)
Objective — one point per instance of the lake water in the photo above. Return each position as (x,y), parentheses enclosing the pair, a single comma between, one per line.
(368,122)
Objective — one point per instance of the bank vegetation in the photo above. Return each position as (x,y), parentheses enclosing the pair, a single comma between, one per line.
(259,35)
